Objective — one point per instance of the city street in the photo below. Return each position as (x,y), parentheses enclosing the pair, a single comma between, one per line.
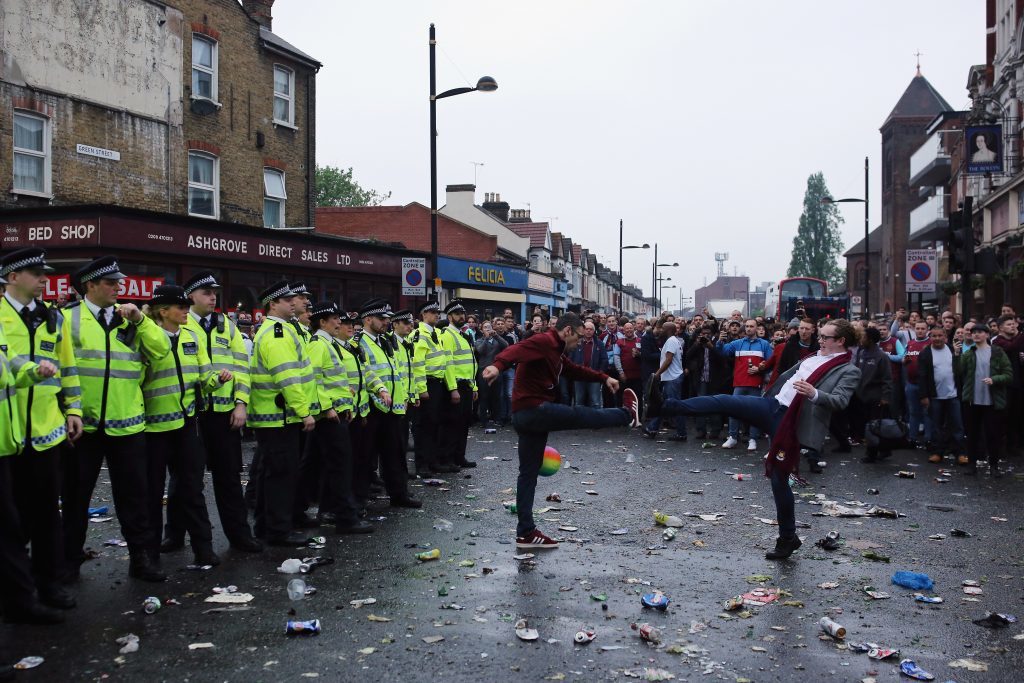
(454,618)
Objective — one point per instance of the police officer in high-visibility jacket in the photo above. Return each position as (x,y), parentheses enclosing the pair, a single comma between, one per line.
(401,329)
(17,589)
(459,411)
(111,343)
(432,388)
(280,410)
(380,436)
(331,440)
(53,413)
(173,390)
(222,415)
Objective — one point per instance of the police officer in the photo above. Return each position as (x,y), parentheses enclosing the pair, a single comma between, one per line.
(52,410)
(330,440)
(173,389)
(401,329)
(111,343)
(283,389)
(222,414)
(362,382)
(303,309)
(432,389)
(462,393)
(380,436)
(17,589)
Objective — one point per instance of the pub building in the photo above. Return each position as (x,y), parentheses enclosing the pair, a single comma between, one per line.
(155,248)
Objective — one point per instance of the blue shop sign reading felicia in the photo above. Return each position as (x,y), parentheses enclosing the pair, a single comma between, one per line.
(479,273)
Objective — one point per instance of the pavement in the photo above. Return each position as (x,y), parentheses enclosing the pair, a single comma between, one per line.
(416,632)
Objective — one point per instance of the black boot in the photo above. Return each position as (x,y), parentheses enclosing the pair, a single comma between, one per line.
(784,547)
(57,596)
(206,557)
(141,567)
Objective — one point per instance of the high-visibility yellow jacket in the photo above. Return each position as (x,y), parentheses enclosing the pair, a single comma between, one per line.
(46,404)
(12,421)
(110,367)
(226,351)
(431,357)
(175,384)
(405,358)
(361,380)
(463,360)
(283,389)
(380,358)
(333,390)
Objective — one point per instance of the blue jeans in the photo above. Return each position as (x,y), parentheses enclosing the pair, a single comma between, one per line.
(916,413)
(759,411)
(673,389)
(508,378)
(533,426)
(947,428)
(588,394)
(734,424)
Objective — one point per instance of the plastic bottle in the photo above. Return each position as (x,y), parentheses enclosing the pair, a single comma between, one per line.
(647,632)
(667,520)
(296,589)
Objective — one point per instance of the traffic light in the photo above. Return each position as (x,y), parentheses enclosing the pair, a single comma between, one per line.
(960,239)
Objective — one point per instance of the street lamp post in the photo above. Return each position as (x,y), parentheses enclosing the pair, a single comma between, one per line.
(662,287)
(867,232)
(485,84)
(621,248)
(654,275)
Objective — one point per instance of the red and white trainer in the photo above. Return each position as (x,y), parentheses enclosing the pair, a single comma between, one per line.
(630,403)
(536,540)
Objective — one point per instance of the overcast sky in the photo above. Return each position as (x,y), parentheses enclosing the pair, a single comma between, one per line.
(697,123)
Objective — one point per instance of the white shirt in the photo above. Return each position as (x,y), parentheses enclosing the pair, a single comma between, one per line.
(803,371)
(105,316)
(673,345)
(942,362)
(18,305)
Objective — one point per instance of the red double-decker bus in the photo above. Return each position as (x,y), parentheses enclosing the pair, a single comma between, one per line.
(782,301)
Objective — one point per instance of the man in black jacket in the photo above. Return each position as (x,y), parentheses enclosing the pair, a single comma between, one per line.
(936,381)
(873,395)
(707,371)
(650,353)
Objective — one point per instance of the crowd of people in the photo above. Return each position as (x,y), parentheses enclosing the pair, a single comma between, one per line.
(165,392)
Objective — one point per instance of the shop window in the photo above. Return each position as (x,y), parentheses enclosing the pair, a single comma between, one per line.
(274,197)
(204,68)
(31,154)
(203,185)
(284,96)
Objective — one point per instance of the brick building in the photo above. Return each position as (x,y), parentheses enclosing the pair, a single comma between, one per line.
(126,113)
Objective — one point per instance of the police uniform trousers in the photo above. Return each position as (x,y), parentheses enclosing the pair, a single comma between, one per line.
(181,452)
(332,450)
(36,477)
(128,468)
(17,591)
(275,479)
(426,427)
(378,437)
(223,447)
(455,424)
(251,486)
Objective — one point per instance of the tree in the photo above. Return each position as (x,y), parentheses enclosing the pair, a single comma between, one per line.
(818,244)
(336,187)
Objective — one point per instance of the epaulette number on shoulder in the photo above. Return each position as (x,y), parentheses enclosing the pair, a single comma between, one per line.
(278,330)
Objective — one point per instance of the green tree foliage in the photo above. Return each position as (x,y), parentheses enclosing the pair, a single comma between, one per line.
(336,187)
(818,245)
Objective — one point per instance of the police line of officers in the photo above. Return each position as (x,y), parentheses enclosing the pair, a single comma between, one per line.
(166,390)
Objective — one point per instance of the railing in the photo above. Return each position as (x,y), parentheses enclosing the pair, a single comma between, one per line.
(933,209)
(926,154)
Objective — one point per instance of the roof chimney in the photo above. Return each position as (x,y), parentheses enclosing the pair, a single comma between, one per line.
(496,207)
(260,11)
(520,216)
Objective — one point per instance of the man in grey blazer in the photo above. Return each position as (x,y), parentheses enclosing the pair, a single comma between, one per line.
(815,387)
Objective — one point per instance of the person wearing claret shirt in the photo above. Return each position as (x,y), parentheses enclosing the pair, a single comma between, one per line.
(919,420)
(540,361)
(748,352)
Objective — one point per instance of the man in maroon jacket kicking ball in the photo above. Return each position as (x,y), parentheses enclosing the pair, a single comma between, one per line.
(540,361)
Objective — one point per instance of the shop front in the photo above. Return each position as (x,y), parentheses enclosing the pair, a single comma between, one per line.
(155,248)
(486,289)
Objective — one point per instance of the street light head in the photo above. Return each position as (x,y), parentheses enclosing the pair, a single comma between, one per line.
(645,246)
(675,265)
(826,200)
(486,84)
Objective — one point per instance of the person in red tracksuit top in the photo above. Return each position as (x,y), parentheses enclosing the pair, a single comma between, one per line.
(748,353)
(540,360)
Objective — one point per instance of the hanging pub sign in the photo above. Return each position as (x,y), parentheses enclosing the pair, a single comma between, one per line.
(984,151)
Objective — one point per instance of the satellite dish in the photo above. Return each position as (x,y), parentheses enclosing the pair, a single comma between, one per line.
(203,106)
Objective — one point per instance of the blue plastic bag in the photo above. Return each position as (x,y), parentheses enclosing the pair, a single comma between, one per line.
(913,581)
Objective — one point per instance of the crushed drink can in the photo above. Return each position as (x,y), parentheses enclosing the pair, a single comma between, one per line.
(668,534)
(657,600)
(428,555)
(881,653)
(832,628)
(151,605)
(873,492)
(734,603)
(585,636)
(303,628)
(906,474)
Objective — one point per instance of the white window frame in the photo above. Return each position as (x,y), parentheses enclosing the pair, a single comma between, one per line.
(290,98)
(215,188)
(46,155)
(282,200)
(212,70)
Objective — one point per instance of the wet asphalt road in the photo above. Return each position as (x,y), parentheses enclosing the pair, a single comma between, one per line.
(704,565)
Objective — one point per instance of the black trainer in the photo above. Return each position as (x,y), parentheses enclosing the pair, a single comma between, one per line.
(784,547)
